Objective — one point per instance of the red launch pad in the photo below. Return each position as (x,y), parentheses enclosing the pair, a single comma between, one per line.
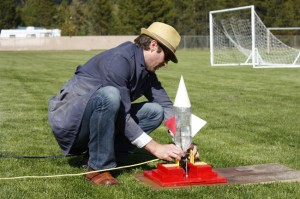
(172,175)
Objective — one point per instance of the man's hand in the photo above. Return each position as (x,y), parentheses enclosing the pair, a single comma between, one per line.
(167,152)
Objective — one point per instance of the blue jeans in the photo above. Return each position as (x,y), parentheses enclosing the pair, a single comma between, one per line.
(102,127)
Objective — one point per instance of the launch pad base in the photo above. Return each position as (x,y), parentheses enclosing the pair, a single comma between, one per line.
(252,174)
(168,176)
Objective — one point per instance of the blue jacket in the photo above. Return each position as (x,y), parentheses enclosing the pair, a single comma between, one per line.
(122,67)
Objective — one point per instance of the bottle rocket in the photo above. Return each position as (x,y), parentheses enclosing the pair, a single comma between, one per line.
(183,115)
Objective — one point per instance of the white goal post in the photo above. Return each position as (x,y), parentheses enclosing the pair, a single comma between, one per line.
(239,37)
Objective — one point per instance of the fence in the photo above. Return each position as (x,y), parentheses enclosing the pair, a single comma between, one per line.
(106,42)
(202,42)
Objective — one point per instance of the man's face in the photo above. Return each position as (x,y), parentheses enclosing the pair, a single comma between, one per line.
(156,57)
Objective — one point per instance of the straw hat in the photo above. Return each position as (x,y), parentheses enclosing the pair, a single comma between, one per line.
(165,35)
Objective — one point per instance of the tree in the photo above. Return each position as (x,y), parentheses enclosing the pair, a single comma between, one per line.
(8,14)
(99,16)
(64,19)
(291,13)
(194,16)
(38,13)
(200,16)
(79,17)
(128,16)
(161,11)
(137,14)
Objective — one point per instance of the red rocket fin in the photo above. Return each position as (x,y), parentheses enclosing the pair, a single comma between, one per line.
(171,125)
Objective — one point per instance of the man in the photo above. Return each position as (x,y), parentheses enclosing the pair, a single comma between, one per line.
(94,112)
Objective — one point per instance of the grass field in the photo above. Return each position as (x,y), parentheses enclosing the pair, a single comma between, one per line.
(253,118)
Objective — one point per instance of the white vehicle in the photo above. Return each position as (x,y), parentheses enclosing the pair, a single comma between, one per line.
(30,31)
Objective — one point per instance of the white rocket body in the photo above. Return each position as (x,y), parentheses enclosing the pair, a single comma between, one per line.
(183,115)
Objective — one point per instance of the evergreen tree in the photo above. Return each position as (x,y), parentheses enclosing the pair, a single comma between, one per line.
(156,10)
(126,17)
(137,14)
(115,24)
(64,19)
(130,17)
(99,16)
(9,17)
(200,16)
(194,16)
(291,13)
(183,19)
(38,13)
(79,17)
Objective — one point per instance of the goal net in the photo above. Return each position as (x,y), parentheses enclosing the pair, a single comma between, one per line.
(239,37)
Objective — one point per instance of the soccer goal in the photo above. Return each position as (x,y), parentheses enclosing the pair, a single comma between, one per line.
(239,37)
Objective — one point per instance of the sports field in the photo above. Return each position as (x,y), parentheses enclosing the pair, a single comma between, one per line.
(253,117)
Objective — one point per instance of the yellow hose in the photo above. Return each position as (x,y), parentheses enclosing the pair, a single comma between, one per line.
(78,174)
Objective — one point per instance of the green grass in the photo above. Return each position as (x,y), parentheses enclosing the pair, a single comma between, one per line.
(252,114)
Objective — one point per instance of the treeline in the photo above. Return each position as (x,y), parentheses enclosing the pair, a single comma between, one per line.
(126,17)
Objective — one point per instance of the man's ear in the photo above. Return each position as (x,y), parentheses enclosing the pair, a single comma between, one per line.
(153,45)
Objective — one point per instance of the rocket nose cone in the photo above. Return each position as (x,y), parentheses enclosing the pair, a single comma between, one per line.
(182,98)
